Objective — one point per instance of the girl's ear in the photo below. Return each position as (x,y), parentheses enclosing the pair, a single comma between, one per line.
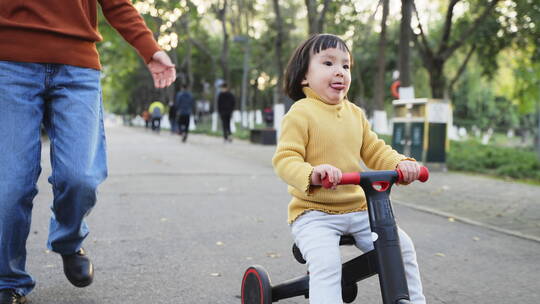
(304,82)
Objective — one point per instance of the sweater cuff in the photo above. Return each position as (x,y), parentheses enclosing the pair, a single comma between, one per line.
(309,188)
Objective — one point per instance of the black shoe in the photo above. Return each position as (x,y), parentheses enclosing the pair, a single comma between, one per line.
(9,296)
(78,269)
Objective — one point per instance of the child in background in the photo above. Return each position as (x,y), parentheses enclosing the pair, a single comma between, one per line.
(324,134)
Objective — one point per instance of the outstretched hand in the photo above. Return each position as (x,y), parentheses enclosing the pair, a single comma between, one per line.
(162,69)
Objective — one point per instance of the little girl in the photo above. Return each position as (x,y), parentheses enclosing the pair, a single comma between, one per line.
(324,134)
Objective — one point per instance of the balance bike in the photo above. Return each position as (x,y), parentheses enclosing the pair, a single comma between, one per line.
(385,260)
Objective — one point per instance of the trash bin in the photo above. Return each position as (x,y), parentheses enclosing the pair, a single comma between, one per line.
(420,129)
(265,136)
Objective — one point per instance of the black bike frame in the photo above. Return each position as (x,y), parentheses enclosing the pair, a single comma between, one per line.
(385,260)
(377,186)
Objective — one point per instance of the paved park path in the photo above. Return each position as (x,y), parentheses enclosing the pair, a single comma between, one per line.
(179,223)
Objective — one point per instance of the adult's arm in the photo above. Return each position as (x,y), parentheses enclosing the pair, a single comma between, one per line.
(128,22)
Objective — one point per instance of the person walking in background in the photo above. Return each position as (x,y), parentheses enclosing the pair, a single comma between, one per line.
(146,117)
(226,102)
(50,74)
(184,108)
(172,118)
(156,110)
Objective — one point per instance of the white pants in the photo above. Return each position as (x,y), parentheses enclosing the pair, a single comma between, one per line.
(317,236)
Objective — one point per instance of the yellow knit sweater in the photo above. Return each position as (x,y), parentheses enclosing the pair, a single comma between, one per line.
(314,133)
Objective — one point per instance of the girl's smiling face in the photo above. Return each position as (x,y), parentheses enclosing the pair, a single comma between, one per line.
(329,74)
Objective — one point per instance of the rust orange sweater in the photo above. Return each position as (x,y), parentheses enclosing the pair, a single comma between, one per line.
(56,31)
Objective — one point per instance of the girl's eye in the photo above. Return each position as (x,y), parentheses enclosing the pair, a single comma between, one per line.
(346,66)
(327,63)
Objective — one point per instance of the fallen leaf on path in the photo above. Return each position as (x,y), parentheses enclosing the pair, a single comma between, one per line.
(451,219)
(476,238)
(215,274)
(440,254)
(273,255)
(220,243)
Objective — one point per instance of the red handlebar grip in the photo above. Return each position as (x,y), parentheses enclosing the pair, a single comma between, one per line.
(424,174)
(352,178)
(326,183)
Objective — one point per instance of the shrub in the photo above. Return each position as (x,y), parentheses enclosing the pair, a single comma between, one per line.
(472,156)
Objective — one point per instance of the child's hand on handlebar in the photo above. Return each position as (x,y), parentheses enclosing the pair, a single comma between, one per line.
(321,171)
(410,171)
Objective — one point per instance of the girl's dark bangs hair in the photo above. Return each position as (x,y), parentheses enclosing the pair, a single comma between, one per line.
(326,41)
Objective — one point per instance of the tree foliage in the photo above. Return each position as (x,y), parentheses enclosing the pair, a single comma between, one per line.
(463,50)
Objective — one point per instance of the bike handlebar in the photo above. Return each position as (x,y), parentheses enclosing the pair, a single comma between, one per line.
(354,178)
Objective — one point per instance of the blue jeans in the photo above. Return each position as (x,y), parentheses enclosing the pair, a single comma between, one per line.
(67,100)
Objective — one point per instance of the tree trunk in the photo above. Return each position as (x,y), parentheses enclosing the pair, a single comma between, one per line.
(316,19)
(311,6)
(404,48)
(245,74)
(225,49)
(434,60)
(381,62)
(321,19)
(189,69)
(437,81)
(279,51)
(360,98)
(537,137)
(212,79)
